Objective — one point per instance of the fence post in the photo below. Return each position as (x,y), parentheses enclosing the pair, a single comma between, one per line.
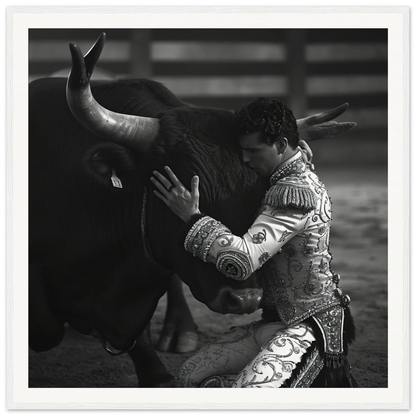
(140,50)
(296,71)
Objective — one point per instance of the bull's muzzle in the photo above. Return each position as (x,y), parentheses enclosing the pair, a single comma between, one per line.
(237,301)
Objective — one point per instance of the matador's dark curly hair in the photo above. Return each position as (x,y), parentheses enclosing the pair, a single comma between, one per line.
(271,116)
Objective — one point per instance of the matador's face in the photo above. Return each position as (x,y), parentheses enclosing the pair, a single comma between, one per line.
(259,156)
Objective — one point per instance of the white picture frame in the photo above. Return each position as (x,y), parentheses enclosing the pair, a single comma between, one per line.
(398,18)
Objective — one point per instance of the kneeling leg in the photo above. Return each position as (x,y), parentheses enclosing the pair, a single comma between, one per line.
(227,355)
(277,359)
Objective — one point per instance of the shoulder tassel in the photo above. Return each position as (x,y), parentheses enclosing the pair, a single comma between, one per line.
(289,194)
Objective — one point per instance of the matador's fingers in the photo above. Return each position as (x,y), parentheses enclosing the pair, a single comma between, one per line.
(160,196)
(161,183)
(176,182)
(195,187)
(161,179)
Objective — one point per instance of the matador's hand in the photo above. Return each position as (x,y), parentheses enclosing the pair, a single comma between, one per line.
(182,202)
(306,151)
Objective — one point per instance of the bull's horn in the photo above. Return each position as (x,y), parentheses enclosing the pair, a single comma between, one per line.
(322,125)
(134,132)
(326,116)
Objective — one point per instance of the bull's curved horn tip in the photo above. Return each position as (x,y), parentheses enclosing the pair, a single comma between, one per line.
(73,47)
(76,52)
(343,105)
(101,38)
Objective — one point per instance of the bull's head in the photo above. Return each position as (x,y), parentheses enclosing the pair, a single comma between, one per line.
(192,141)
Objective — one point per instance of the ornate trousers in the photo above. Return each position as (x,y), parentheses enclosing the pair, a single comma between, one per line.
(256,355)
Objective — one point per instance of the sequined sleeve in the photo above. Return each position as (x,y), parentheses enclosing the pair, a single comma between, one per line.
(238,257)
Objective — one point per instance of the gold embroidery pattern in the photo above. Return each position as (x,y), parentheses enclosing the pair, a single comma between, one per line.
(235,264)
(309,371)
(225,240)
(283,236)
(259,237)
(289,251)
(278,358)
(331,323)
(296,166)
(263,258)
(201,236)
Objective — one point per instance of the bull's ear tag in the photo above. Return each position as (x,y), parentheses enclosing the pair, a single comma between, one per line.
(116,180)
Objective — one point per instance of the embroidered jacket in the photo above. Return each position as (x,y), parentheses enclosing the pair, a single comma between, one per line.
(288,245)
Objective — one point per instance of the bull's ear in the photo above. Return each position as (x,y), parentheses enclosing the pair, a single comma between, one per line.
(113,166)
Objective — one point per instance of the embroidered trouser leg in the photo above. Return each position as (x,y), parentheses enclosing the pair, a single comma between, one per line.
(237,350)
(278,357)
(228,354)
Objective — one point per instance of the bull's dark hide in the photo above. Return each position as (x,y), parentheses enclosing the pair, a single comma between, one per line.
(88,266)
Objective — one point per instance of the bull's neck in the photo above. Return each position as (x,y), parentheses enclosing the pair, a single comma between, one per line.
(154,240)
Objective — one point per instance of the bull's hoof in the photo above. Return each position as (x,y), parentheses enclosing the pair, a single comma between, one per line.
(187,342)
(173,340)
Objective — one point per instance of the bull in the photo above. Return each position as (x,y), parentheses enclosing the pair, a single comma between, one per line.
(102,247)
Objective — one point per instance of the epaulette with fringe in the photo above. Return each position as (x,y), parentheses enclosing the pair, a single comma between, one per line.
(291,191)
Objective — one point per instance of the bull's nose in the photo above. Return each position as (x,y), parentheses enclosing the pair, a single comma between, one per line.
(241,304)
(238,301)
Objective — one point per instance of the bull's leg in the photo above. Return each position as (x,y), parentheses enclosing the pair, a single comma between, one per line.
(179,332)
(150,371)
(46,330)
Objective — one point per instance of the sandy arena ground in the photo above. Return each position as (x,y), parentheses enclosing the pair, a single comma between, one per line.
(359,246)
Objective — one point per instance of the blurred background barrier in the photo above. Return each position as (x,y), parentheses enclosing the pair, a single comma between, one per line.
(310,69)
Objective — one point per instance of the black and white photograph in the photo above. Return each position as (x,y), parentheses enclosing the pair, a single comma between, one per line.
(208,206)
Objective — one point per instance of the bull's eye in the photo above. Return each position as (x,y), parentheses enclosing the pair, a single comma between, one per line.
(102,169)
